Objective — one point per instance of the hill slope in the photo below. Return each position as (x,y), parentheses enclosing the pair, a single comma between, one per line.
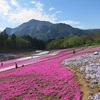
(45,30)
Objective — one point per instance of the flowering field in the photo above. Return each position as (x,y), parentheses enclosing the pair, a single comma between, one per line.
(88,65)
(45,80)
(43,56)
(24,60)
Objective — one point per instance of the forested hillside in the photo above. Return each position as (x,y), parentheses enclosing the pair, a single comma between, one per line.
(13,42)
(74,41)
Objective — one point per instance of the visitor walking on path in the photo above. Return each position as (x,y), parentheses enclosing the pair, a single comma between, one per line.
(1,63)
(16,65)
(74,51)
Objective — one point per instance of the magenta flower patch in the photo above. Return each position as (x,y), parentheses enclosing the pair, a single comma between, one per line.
(45,80)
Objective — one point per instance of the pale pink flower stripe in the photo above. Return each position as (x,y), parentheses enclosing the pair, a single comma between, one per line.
(34,60)
(41,80)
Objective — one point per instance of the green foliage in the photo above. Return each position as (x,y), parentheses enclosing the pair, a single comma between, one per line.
(55,44)
(74,41)
(35,43)
(89,42)
(3,40)
(14,42)
(66,44)
(21,43)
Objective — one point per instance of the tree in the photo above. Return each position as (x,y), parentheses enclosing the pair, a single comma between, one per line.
(55,44)
(75,41)
(66,43)
(89,42)
(22,43)
(34,42)
(13,40)
(3,38)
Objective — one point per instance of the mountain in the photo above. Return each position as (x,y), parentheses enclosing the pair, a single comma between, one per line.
(45,30)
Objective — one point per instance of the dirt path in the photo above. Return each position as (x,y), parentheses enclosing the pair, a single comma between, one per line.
(83,85)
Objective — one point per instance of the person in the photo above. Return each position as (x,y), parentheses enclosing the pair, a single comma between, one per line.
(74,51)
(1,63)
(22,65)
(16,65)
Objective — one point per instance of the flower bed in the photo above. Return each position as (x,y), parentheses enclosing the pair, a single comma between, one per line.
(46,80)
(88,65)
(34,59)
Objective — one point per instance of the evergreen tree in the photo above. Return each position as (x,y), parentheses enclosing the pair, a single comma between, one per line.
(13,40)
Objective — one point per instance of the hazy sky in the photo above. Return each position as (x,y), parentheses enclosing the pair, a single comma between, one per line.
(82,14)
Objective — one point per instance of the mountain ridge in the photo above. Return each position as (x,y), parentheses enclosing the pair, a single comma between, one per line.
(45,30)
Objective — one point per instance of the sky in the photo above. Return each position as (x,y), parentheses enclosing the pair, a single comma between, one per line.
(83,14)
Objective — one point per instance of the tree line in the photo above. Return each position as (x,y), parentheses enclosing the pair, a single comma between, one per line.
(14,42)
(74,41)
(26,42)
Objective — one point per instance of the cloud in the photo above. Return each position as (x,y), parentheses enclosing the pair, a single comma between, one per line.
(33,2)
(19,14)
(73,23)
(52,8)
(80,26)
(14,3)
(15,14)
(26,14)
(38,5)
(1,29)
(4,8)
(70,22)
